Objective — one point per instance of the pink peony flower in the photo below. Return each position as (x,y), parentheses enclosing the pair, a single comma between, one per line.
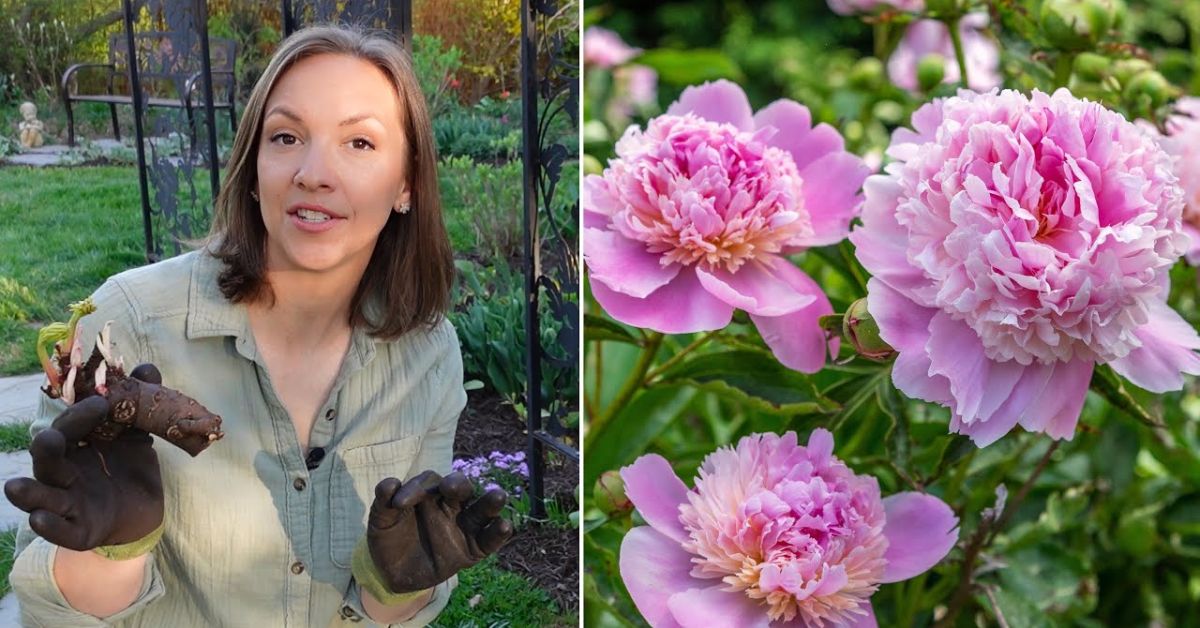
(925,37)
(1183,144)
(605,49)
(693,218)
(852,7)
(1016,242)
(773,534)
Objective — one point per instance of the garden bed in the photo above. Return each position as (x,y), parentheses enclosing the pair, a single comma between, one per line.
(547,554)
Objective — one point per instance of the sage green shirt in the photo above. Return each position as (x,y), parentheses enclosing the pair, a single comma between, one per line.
(253,538)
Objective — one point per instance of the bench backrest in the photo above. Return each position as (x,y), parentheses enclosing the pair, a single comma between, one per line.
(165,57)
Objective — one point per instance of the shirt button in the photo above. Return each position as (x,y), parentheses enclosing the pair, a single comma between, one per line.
(297,568)
(299,484)
(330,413)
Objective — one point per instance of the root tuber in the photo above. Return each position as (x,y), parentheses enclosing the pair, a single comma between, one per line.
(162,411)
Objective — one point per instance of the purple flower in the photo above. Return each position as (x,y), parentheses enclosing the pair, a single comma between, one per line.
(925,37)
(773,534)
(1183,144)
(605,49)
(1016,242)
(695,215)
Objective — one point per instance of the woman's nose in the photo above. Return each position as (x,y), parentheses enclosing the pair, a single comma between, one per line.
(316,170)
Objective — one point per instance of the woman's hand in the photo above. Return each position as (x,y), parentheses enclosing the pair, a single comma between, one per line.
(425,530)
(90,493)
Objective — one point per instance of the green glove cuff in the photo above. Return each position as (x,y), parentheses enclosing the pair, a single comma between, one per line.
(133,549)
(367,573)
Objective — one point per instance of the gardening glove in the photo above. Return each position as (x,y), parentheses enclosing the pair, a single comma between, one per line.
(93,494)
(425,530)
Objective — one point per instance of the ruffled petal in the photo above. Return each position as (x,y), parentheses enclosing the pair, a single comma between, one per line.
(705,608)
(978,384)
(796,134)
(654,568)
(1019,402)
(865,621)
(831,186)
(1056,411)
(682,306)
(653,487)
(796,339)
(1166,352)
(905,326)
(763,287)
(921,529)
(624,265)
(718,101)
(880,242)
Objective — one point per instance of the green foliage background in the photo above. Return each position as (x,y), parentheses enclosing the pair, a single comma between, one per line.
(1107,534)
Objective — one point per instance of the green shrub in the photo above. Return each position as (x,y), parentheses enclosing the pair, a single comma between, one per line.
(475,133)
(490,198)
(435,66)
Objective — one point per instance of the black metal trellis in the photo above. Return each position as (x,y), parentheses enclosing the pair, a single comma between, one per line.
(549,90)
(169,63)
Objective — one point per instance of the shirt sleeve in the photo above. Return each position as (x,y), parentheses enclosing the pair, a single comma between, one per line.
(437,452)
(32,578)
(441,596)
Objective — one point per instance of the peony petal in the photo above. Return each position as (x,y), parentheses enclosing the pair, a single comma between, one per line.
(921,529)
(760,287)
(977,383)
(657,493)
(624,265)
(1019,401)
(905,326)
(682,306)
(796,339)
(655,568)
(880,242)
(796,135)
(705,608)
(865,621)
(1056,410)
(719,101)
(1166,352)
(831,186)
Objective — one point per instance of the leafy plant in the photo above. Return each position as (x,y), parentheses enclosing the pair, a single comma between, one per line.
(492,197)
(435,66)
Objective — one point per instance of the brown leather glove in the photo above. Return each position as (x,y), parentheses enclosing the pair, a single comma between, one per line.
(425,530)
(90,493)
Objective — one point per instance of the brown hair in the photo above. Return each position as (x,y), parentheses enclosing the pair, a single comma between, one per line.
(407,282)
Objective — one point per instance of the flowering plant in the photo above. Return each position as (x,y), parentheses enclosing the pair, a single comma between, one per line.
(991,308)
(495,470)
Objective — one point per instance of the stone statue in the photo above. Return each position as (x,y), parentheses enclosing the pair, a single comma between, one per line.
(31,128)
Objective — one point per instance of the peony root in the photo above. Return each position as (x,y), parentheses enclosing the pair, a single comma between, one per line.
(157,409)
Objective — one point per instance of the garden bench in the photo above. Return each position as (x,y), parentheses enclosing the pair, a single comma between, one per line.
(170,78)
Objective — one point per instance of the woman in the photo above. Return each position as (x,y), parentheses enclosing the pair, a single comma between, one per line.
(311,322)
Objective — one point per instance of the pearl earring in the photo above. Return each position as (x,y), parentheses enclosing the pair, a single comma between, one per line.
(404,208)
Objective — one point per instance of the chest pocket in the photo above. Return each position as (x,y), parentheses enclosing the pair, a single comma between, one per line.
(352,489)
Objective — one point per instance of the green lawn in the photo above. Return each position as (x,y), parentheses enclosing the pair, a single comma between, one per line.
(14,436)
(8,545)
(65,231)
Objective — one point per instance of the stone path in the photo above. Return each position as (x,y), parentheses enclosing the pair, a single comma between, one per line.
(53,154)
(18,403)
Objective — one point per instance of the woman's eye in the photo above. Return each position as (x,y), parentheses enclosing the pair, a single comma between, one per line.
(361,144)
(287,139)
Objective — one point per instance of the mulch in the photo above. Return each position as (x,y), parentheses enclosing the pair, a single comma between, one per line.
(546,554)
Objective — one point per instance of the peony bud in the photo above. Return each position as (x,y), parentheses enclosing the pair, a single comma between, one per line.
(1077,25)
(1149,88)
(862,332)
(1090,66)
(609,494)
(867,74)
(931,69)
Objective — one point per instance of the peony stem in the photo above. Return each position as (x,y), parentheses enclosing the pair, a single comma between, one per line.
(662,368)
(636,378)
(959,55)
(983,537)
(1062,69)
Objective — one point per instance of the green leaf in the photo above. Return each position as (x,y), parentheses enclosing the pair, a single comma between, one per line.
(1183,515)
(632,430)
(600,328)
(753,377)
(1015,609)
(690,67)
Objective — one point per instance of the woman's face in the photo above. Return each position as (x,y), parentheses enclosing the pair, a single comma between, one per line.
(331,164)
